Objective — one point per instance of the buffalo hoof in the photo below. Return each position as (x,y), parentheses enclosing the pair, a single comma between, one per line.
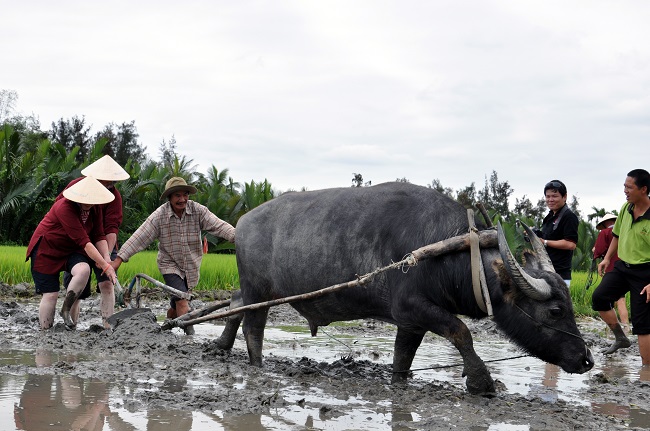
(400,377)
(481,386)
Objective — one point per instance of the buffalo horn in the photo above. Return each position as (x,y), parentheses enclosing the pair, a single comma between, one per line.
(539,249)
(535,288)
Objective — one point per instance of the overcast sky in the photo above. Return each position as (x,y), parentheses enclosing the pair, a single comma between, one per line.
(306,93)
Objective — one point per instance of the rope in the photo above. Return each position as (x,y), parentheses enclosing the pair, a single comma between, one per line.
(338,341)
(459,364)
(548,326)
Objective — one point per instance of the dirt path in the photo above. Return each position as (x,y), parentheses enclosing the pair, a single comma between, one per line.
(138,353)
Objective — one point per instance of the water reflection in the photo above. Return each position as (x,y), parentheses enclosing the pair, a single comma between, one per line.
(60,402)
(637,417)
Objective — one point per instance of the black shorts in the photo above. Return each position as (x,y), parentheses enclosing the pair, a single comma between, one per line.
(98,276)
(49,283)
(178,283)
(617,283)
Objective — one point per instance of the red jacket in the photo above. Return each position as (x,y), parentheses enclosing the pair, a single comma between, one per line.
(602,244)
(61,233)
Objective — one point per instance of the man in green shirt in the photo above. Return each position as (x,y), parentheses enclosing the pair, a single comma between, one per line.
(632,272)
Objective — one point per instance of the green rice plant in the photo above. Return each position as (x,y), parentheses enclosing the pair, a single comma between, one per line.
(218,271)
(13,268)
(580,296)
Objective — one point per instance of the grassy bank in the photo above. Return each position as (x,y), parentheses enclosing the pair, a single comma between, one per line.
(218,271)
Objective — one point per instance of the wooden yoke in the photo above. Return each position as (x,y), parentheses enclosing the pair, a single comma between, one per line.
(487,239)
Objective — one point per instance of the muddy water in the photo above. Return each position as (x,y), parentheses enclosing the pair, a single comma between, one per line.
(36,401)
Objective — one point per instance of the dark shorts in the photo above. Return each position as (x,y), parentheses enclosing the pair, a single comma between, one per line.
(617,283)
(49,283)
(98,276)
(178,283)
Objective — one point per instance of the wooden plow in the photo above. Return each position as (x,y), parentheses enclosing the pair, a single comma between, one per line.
(486,239)
(126,297)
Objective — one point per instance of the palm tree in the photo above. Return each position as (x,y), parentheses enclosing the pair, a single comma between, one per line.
(597,214)
(254,194)
(182,167)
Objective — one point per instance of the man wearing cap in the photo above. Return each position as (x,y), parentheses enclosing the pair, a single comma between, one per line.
(559,229)
(177,225)
(603,241)
(631,273)
(107,171)
(69,238)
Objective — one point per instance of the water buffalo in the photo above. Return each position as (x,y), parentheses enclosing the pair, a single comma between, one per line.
(304,241)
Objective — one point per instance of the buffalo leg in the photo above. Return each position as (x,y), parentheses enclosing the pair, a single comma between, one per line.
(253,328)
(227,338)
(479,380)
(414,312)
(406,344)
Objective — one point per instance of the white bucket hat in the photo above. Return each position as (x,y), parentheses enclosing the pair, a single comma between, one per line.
(105,169)
(88,191)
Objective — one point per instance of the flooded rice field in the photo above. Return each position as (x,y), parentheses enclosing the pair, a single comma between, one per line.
(140,378)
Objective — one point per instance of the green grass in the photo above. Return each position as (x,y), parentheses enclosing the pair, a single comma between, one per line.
(218,271)
(581,297)
(13,268)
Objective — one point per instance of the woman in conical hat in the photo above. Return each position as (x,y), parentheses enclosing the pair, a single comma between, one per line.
(107,171)
(70,237)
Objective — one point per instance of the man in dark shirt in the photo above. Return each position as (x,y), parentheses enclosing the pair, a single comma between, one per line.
(559,229)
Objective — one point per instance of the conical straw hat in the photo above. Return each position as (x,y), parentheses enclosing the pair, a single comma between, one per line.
(89,191)
(105,169)
(606,217)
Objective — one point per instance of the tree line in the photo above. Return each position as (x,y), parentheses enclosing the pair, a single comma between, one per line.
(37,164)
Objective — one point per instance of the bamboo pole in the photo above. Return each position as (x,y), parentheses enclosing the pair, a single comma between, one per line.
(487,239)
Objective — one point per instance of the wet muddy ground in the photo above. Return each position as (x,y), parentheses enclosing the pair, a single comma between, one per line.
(140,377)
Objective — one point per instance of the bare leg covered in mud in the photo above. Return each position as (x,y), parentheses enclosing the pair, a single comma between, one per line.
(644,349)
(621,341)
(183,307)
(107,301)
(71,307)
(46,309)
(623,315)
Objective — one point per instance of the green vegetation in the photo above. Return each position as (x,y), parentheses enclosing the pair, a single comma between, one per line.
(580,296)
(13,268)
(218,271)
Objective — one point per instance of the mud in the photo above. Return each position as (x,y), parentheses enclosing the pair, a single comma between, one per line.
(158,365)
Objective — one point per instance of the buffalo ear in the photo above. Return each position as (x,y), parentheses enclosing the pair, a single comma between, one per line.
(507,285)
(502,272)
(531,260)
